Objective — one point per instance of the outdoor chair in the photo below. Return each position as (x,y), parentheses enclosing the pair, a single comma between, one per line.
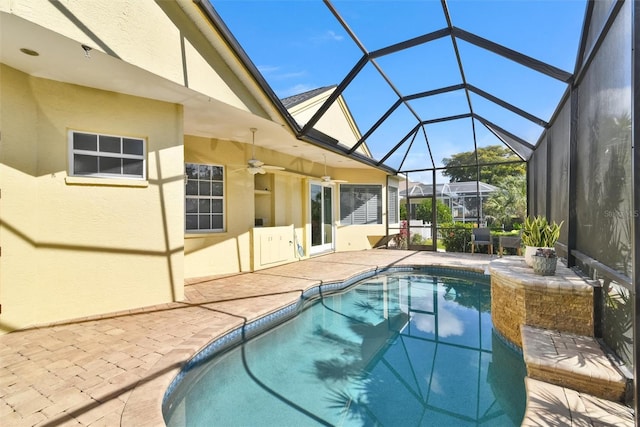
(481,237)
(510,242)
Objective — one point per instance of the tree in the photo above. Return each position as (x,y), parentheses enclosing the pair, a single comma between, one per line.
(508,204)
(443,213)
(403,209)
(462,167)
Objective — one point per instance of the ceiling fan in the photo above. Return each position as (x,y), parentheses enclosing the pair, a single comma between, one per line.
(255,166)
(326,179)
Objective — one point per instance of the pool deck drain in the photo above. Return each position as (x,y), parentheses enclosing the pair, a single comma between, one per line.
(114,369)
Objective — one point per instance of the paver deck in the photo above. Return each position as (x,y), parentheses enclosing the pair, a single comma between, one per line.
(114,369)
(552,405)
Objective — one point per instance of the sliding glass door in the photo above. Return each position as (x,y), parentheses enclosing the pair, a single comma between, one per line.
(322,227)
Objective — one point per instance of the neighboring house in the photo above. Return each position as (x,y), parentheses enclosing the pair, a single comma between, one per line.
(124,162)
(461,197)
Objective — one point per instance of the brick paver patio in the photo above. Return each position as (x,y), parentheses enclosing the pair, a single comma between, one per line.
(114,369)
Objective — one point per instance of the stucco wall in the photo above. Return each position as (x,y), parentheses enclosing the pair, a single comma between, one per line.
(359,237)
(228,251)
(73,248)
(208,254)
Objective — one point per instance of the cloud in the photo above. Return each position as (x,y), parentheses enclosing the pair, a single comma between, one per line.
(277,73)
(434,381)
(333,36)
(295,90)
(448,323)
(328,35)
(291,75)
(267,69)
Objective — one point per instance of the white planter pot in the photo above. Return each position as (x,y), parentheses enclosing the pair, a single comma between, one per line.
(529,252)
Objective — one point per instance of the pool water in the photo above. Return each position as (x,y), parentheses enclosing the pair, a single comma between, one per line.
(402,349)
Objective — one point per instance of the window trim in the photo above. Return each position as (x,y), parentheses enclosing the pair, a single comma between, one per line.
(72,151)
(199,232)
(396,206)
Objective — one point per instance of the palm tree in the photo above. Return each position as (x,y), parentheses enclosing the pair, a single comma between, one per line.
(508,204)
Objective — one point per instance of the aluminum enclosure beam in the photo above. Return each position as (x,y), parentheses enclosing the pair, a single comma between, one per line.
(635,168)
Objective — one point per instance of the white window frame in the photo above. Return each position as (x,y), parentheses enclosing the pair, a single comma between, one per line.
(194,202)
(98,153)
(372,204)
(393,204)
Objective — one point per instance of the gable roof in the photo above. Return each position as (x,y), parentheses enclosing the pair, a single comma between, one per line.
(294,100)
(337,122)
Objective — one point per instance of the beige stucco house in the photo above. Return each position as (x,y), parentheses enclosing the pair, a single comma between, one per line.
(125,141)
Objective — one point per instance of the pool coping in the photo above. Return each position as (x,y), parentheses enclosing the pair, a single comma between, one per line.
(146,402)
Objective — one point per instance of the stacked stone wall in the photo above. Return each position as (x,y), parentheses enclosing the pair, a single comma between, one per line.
(562,302)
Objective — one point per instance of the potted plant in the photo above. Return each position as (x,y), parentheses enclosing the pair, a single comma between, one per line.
(545,262)
(537,232)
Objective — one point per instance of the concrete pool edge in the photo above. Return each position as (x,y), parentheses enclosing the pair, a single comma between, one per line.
(144,406)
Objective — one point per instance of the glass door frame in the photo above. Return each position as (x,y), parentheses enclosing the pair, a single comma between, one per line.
(326,244)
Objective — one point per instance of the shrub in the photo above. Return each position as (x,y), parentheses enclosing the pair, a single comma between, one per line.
(456,237)
(416,239)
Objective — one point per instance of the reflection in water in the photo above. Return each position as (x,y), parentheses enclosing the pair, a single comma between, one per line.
(449,323)
(396,350)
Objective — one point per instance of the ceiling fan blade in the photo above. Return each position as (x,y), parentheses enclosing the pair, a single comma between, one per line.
(326,180)
(271,167)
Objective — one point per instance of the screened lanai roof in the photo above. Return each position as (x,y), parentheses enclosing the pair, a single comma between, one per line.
(422,79)
(449,189)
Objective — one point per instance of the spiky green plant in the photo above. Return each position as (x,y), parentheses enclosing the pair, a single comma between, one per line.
(538,232)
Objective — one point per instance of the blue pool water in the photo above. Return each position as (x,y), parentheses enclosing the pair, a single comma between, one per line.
(401,349)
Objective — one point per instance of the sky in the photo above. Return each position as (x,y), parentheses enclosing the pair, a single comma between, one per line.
(299,45)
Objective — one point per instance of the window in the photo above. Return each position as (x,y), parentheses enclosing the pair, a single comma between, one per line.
(360,204)
(392,208)
(204,204)
(106,156)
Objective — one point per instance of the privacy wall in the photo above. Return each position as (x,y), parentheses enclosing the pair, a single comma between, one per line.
(581,171)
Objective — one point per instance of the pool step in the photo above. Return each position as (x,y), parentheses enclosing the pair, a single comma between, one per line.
(552,405)
(573,361)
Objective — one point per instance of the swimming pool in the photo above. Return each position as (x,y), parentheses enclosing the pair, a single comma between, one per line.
(406,348)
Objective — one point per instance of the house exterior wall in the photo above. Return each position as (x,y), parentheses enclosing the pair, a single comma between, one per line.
(74,247)
(361,237)
(230,251)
